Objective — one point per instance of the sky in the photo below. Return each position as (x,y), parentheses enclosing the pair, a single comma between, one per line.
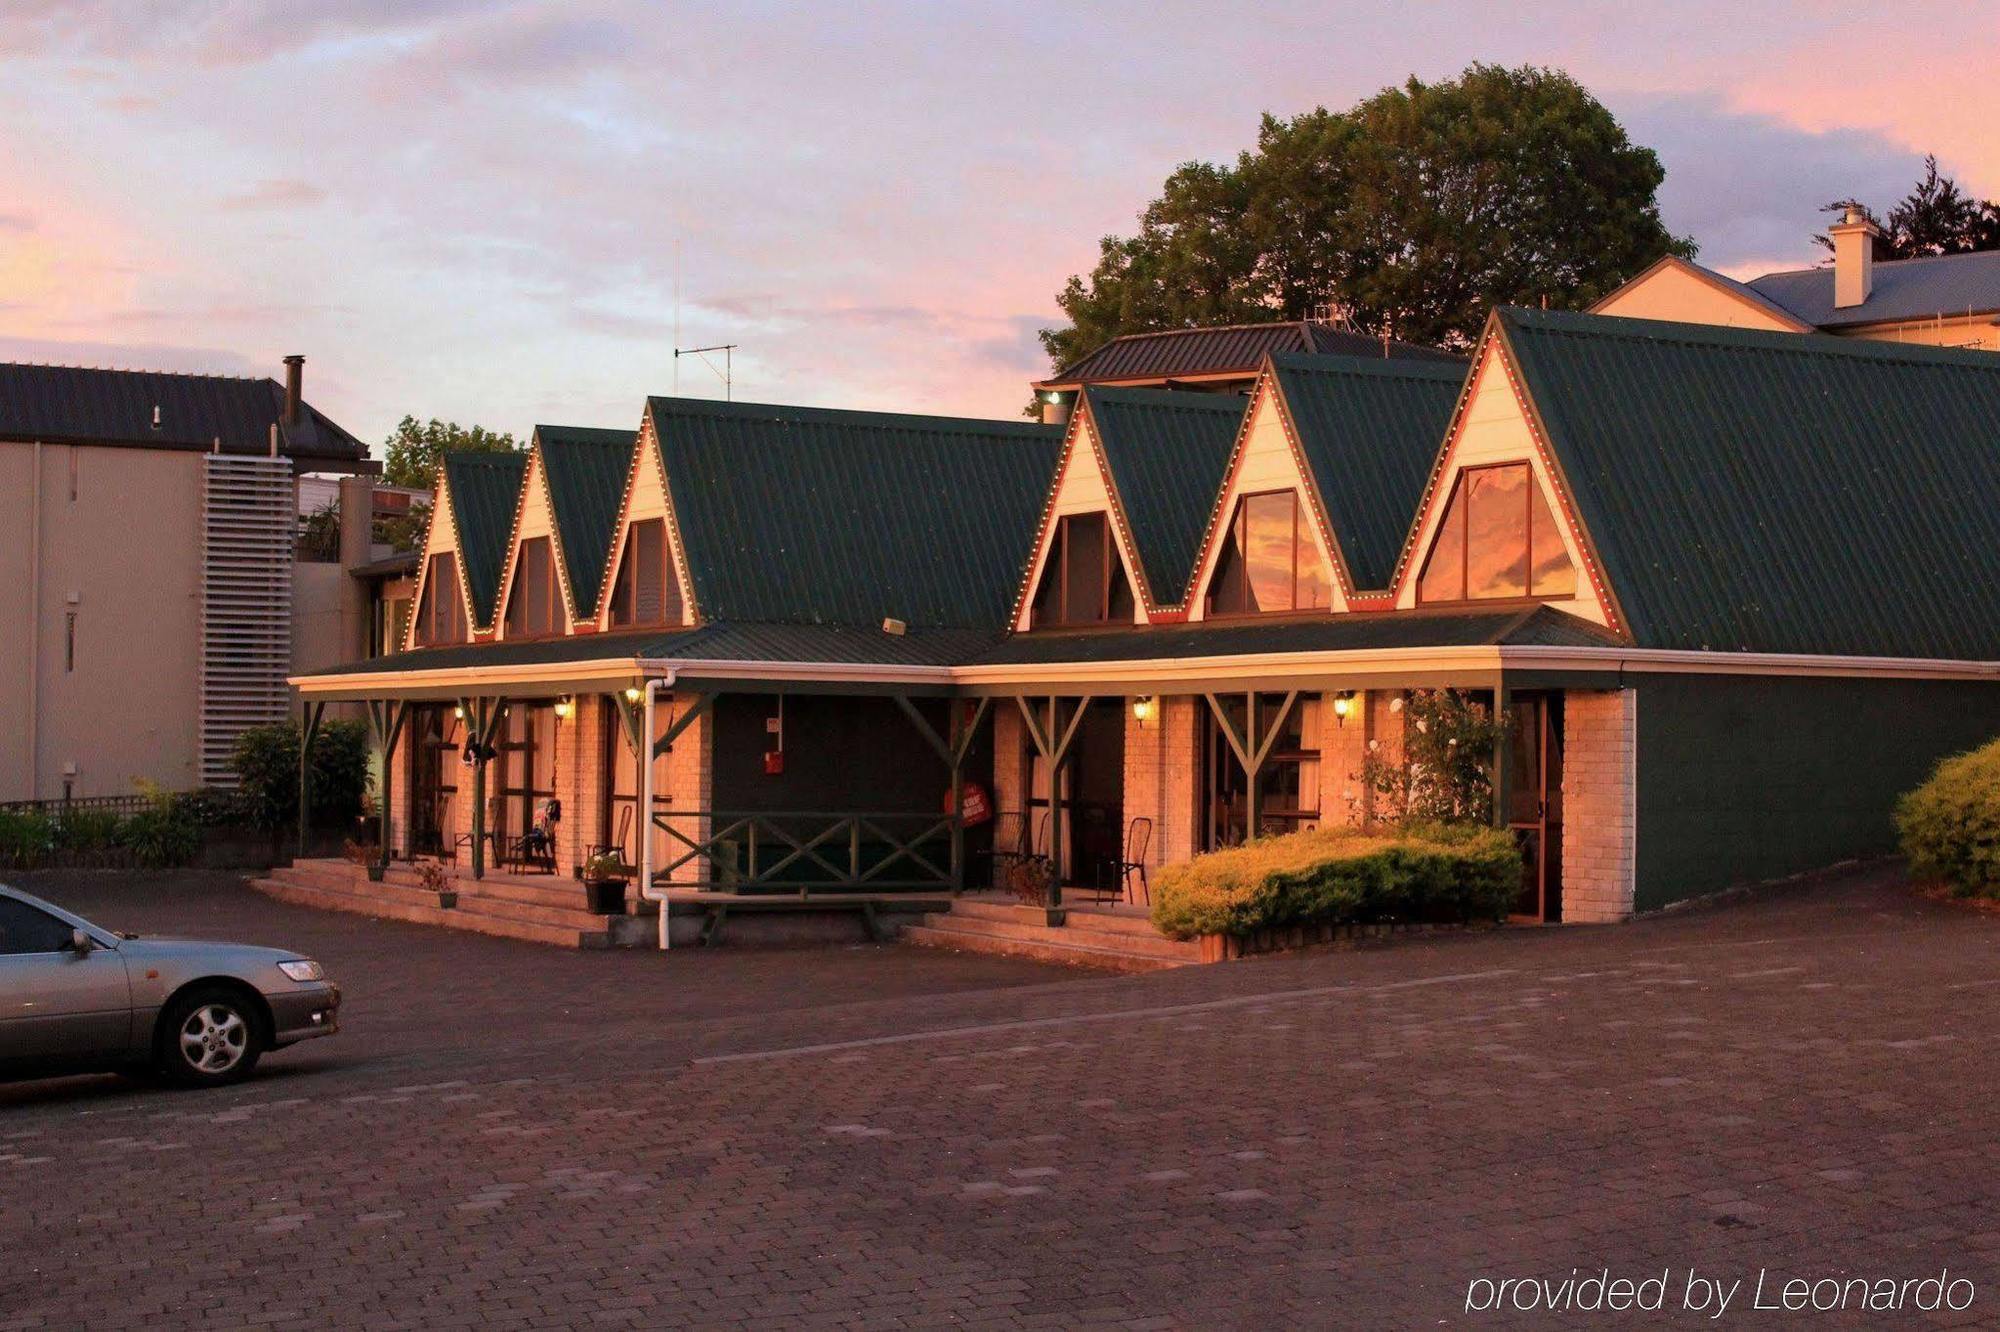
(513,213)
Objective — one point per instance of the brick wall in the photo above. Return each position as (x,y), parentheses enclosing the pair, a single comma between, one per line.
(1599,788)
(1160,762)
(1342,749)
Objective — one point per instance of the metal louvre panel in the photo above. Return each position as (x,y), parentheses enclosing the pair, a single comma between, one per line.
(249,531)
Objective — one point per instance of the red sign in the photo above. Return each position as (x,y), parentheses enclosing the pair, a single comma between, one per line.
(978,804)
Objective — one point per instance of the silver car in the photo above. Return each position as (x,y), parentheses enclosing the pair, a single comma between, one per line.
(75,998)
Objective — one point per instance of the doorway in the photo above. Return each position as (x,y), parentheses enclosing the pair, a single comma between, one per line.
(432,746)
(1534,802)
(527,768)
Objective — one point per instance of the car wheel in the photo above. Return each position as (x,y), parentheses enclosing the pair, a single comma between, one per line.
(208,1038)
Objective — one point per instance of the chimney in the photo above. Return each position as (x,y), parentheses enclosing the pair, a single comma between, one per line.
(295,374)
(1055,407)
(1853,258)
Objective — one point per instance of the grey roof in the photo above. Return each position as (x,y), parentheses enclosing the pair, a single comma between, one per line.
(1237,349)
(1540,626)
(1168,453)
(1370,431)
(1945,284)
(69,403)
(1777,492)
(810,515)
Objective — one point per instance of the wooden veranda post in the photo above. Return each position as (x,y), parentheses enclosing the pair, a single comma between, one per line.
(1053,742)
(1252,748)
(953,751)
(308,733)
(385,720)
(1501,735)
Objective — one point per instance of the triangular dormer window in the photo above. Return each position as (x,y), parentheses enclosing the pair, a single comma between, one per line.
(1498,541)
(441,618)
(1084,579)
(645,590)
(1268,561)
(534,601)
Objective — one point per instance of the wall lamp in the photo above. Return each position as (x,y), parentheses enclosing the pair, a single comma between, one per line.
(1343,706)
(1142,709)
(564,707)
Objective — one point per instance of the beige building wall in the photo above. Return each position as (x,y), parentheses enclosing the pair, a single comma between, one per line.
(111,536)
(1162,775)
(1673,293)
(1979,333)
(1081,487)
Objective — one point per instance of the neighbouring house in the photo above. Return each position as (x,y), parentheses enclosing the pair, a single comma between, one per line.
(159,585)
(1734,588)
(1215,359)
(1947,300)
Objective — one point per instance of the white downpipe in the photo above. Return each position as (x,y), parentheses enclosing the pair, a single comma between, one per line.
(646,757)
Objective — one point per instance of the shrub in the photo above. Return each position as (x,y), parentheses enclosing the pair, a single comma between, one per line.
(1950,826)
(266,763)
(85,829)
(164,834)
(1340,876)
(1445,772)
(26,838)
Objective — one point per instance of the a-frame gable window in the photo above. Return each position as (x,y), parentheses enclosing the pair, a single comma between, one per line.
(534,601)
(1268,559)
(1498,541)
(441,619)
(645,590)
(1083,579)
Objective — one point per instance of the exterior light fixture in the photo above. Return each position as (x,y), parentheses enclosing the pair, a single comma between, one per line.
(458,711)
(564,707)
(632,693)
(1142,709)
(1343,706)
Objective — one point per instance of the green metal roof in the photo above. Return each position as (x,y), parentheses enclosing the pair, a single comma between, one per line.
(1777,492)
(586,470)
(836,643)
(1370,430)
(485,491)
(810,515)
(1168,453)
(1514,626)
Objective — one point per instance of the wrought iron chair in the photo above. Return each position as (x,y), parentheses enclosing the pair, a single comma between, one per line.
(496,841)
(615,847)
(536,848)
(1010,843)
(1138,834)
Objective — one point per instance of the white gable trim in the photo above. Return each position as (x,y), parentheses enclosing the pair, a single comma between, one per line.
(647,495)
(1267,458)
(1495,423)
(440,538)
(1083,484)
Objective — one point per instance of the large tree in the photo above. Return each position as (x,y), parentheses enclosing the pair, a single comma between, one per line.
(1935,217)
(1412,213)
(414,449)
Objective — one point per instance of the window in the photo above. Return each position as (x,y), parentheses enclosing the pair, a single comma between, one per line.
(442,616)
(1288,786)
(1269,561)
(1498,540)
(23,929)
(1084,580)
(533,599)
(645,590)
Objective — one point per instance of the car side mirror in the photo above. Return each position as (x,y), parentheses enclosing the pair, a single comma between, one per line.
(80,942)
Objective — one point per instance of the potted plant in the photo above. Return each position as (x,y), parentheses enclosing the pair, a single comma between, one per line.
(432,878)
(604,878)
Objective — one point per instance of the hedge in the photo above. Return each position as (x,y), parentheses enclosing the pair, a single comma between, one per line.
(1950,826)
(1341,876)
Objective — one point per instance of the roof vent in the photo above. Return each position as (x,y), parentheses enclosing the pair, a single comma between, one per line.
(894,626)
(156,416)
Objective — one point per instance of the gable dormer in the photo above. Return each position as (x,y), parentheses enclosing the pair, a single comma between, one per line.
(477,495)
(1269,548)
(440,597)
(1496,525)
(1080,573)
(645,577)
(534,600)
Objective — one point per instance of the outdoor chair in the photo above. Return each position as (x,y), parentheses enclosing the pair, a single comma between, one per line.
(1010,843)
(1138,834)
(536,848)
(615,847)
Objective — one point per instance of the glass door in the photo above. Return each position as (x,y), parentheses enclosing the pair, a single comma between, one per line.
(1534,802)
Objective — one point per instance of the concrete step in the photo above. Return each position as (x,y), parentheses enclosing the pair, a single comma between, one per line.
(563,905)
(386,906)
(1076,932)
(1041,950)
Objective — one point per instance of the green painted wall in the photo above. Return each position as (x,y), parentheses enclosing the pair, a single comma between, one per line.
(1743,780)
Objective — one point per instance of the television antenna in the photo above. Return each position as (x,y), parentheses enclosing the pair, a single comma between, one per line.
(725,372)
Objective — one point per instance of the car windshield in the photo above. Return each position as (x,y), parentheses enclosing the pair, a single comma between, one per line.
(65,916)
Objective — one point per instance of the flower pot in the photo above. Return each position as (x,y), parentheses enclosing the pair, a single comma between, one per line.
(605,897)
(375,873)
(448,899)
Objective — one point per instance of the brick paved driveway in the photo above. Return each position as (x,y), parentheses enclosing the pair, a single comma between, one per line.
(510,1135)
